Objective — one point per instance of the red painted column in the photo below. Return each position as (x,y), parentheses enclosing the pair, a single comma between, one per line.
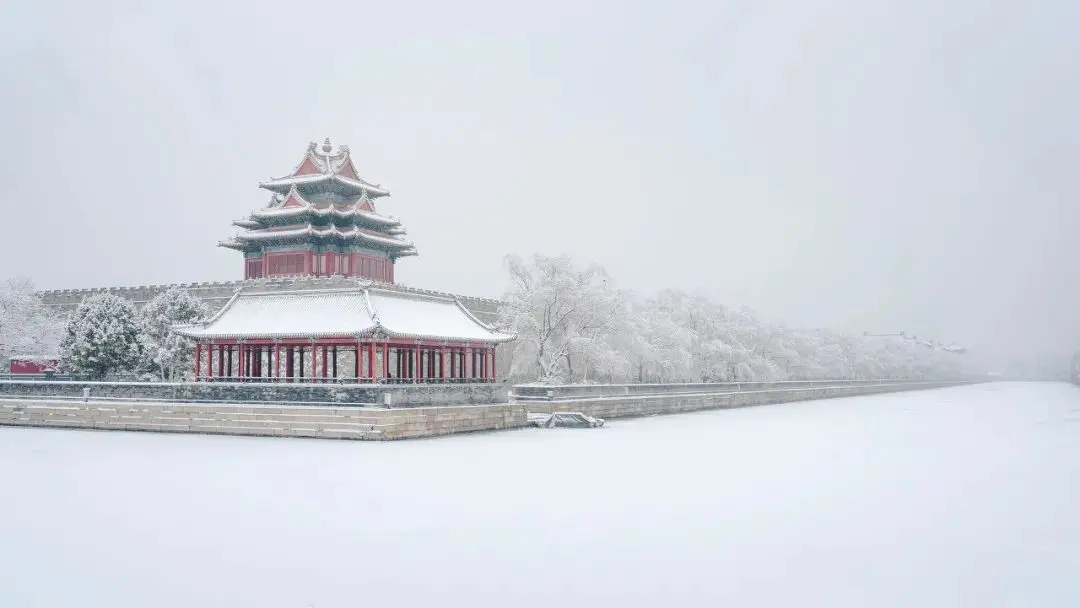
(371,361)
(221,361)
(494,359)
(313,371)
(358,360)
(442,363)
(324,361)
(416,367)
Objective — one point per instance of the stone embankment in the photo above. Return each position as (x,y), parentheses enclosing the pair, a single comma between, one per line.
(263,420)
(690,398)
(381,423)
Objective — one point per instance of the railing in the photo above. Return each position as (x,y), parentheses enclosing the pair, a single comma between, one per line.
(542,392)
(340,381)
(47,377)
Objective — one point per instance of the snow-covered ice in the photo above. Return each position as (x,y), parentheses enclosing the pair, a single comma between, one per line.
(959,497)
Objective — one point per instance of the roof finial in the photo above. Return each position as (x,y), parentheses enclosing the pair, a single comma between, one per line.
(326,147)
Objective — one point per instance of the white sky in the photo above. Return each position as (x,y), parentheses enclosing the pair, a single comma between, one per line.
(864,165)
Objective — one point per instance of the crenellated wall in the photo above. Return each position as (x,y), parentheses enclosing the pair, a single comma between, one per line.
(217,293)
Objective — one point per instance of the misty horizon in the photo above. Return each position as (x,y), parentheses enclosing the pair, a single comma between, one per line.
(857,166)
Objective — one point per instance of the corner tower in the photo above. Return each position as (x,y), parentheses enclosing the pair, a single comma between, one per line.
(321,221)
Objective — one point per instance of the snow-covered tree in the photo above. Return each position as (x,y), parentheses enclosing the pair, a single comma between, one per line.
(27,326)
(101,337)
(574,325)
(564,318)
(165,353)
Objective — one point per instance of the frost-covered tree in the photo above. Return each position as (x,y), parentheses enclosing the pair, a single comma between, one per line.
(564,318)
(27,326)
(165,353)
(101,337)
(573,325)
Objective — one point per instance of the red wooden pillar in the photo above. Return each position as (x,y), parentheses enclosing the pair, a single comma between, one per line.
(324,361)
(221,361)
(358,360)
(386,360)
(416,368)
(239,359)
(442,363)
(313,371)
(277,360)
(494,359)
(371,361)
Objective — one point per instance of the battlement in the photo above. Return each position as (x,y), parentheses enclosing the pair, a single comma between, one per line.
(217,293)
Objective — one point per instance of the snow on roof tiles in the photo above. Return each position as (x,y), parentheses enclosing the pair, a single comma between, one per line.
(283,232)
(322,163)
(343,313)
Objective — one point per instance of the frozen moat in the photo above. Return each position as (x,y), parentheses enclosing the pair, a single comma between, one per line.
(966,496)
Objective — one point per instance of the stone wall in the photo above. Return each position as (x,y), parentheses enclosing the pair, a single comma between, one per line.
(265,420)
(217,293)
(559,392)
(401,395)
(673,403)
(380,423)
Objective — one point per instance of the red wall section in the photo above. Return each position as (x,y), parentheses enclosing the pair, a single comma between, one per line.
(301,263)
(20,366)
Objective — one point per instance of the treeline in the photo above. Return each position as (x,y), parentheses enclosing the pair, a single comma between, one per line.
(574,325)
(106,336)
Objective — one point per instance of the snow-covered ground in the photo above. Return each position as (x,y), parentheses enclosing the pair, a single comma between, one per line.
(959,497)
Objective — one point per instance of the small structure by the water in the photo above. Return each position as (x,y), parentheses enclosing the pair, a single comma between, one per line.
(576,420)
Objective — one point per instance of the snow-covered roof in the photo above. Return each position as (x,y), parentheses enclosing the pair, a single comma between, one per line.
(322,164)
(35,358)
(306,230)
(351,209)
(343,313)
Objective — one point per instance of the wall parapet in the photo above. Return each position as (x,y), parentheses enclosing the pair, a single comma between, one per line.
(399,395)
(563,392)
